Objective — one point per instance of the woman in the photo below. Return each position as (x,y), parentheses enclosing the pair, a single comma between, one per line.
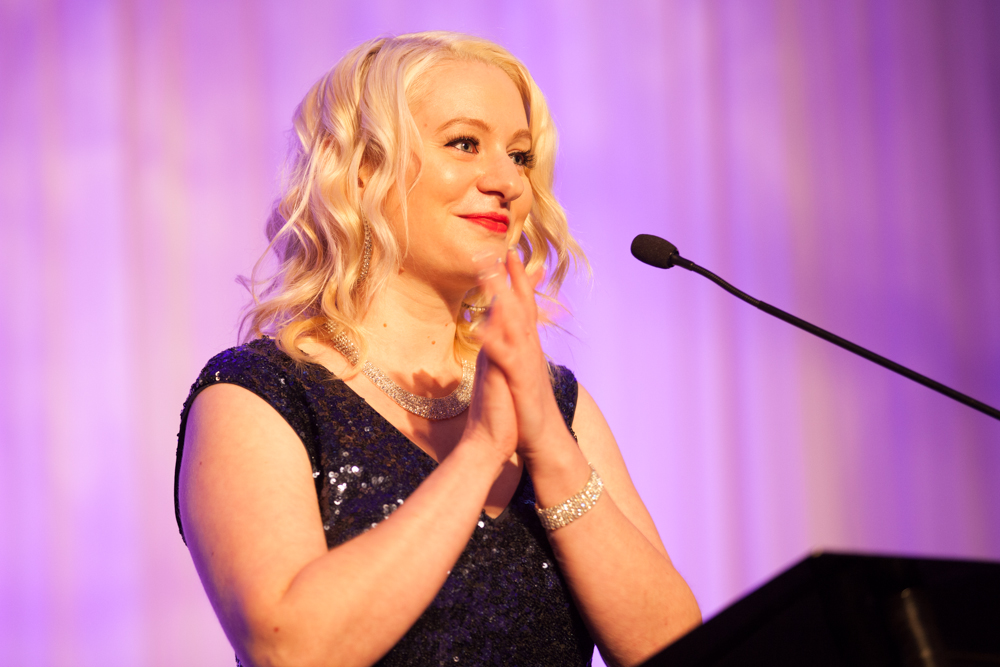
(339,517)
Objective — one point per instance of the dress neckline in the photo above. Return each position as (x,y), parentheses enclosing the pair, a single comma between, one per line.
(365,405)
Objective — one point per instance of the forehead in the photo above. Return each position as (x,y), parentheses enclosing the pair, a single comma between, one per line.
(469,89)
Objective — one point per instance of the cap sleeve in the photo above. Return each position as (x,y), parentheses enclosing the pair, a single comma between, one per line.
(565,387)
(264,370)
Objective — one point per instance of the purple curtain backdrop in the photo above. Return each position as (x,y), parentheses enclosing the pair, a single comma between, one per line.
(839,159)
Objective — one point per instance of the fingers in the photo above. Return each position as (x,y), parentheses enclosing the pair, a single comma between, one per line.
(492,419)
(510,343)
(509,333)
(492,274)
(521,281)
(518,278)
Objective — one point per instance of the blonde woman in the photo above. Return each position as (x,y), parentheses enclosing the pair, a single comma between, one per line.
(390,472)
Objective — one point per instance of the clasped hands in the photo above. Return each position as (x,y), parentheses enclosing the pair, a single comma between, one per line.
(513,405)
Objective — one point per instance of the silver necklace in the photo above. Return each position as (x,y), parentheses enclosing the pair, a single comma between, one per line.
(435,409)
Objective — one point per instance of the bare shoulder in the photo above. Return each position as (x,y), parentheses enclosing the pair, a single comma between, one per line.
(247,500)
(230,424)
(237,450)
(598,444)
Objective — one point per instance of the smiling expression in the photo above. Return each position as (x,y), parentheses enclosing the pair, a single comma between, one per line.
(473,193)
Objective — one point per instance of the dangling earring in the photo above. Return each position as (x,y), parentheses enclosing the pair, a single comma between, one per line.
(366,253)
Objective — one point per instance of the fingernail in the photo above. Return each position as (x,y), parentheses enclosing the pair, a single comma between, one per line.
(480,257)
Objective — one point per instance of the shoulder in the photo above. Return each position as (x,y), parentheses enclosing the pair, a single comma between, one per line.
(259,358)
(286,387)
(260,367)
(291,388)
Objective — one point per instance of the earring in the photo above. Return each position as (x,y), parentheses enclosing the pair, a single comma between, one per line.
(366,253)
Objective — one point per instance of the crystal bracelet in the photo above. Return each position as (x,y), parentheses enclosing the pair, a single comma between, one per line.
(572,509)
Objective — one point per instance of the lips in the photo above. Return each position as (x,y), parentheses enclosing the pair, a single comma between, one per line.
(495,222)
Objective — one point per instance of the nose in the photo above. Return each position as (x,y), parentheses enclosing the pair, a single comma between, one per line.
(501,178)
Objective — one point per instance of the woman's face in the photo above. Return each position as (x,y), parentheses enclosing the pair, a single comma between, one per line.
(472,194)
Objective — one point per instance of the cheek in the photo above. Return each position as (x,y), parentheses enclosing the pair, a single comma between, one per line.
(450,183)
(441,180)
(434,186)
(526,200)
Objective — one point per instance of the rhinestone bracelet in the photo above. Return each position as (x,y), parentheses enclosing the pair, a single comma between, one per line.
(572,509)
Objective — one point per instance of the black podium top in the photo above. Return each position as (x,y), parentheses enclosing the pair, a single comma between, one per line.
(852,610)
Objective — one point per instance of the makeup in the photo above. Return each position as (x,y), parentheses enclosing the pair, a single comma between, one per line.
(495,222)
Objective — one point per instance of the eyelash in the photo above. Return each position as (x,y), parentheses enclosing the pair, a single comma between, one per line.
(527,157)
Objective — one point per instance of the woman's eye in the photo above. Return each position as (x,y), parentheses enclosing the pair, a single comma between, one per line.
(464,144)
(523,159)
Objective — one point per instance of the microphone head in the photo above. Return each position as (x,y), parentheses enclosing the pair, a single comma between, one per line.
(654,251)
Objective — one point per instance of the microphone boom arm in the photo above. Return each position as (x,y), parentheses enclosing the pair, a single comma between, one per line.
(677,260)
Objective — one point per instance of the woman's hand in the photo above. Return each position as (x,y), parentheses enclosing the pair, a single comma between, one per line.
(623,582)
(491,421)
(511,343)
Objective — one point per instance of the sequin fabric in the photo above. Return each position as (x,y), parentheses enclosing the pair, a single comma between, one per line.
(505,601)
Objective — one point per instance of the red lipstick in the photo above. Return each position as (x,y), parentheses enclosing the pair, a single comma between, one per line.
(495,222)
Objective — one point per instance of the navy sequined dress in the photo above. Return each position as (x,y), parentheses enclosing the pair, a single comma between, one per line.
(505,601)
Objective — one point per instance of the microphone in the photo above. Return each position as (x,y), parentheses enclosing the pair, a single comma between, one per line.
(654,251)
(663,254)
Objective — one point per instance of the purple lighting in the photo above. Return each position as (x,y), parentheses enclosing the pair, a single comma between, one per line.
(839,159)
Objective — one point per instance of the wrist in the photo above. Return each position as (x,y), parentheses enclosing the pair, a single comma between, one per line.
(480,454)
(552,445)
(574,507)
(558,472)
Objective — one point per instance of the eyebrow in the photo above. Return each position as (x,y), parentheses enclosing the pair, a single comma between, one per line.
(482,125)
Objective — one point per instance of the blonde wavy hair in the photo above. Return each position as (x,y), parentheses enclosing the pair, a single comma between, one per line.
(357,118)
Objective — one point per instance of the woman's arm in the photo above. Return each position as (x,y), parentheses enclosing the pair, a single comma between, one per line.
(629,593)
(252,523)
(626,588)
(633,599)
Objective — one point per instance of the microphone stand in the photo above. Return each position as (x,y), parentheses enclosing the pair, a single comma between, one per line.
(675,259)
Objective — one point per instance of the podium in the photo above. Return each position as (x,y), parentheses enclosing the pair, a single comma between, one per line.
(840,610)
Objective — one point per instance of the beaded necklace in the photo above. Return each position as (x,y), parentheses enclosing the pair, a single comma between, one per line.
(434,409)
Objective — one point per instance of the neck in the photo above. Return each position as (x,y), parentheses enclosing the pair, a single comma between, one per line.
(411,331)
